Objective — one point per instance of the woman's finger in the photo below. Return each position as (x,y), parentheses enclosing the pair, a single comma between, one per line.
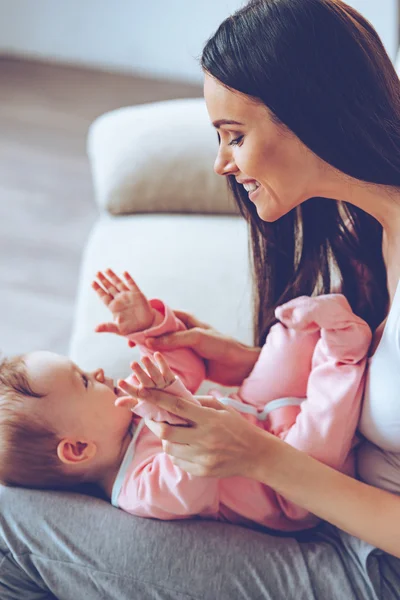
(174,404)
(177,406)
(189,320)
(172,341)
(117,282)
(212,402)
(182,451)
(179,434)
(126,402)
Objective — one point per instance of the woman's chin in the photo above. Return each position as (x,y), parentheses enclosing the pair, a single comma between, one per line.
(266,214)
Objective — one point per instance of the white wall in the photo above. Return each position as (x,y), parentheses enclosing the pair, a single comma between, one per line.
(154,37)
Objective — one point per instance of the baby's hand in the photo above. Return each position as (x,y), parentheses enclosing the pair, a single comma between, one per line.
(129,306)
(157,375)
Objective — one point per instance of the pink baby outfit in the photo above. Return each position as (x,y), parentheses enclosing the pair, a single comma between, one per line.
(305,387)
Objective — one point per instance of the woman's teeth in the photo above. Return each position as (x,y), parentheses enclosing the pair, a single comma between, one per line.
(251,187)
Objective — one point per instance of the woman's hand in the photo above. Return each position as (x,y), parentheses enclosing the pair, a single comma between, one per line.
(129,306)
(217,442)
(227,361)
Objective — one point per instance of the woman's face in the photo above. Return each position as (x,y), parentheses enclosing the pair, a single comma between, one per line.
(273,165)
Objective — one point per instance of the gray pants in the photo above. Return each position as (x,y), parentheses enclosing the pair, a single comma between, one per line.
(69,546)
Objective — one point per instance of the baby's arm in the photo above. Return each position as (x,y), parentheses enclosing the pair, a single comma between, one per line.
(184,362)
(137,318)
(130,308)
(155,487)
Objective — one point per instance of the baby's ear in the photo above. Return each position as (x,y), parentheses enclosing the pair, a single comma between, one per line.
(72,452)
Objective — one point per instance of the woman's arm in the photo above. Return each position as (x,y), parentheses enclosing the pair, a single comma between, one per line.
(227,360)
(220,443)
(366,512)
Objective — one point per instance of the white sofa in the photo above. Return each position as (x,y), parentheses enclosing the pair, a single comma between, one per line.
(167,218)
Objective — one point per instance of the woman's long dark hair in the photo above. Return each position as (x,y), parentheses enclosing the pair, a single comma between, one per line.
(322,70)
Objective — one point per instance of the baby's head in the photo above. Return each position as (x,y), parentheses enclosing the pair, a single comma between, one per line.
(59,425)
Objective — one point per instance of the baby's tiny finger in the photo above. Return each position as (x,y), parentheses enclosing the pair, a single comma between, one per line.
(106,283)
(106,298)
(130,282)
(128,388)
(141,374)
(154,372)
(117,282)
(164,367)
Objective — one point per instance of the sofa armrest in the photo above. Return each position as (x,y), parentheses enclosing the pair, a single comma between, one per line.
(157,158)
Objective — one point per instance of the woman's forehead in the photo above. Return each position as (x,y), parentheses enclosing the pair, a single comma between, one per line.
(226,104)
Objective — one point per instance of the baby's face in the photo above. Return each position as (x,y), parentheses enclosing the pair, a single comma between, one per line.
(77,404)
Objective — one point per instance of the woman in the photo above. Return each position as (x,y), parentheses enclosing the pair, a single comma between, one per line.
(306,105)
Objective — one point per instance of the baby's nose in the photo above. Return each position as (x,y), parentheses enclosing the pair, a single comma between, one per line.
(99,375)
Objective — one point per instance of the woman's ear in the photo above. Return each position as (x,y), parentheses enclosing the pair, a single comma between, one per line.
(72,452)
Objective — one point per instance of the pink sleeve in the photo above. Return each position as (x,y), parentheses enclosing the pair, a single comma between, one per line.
(184,362)
(155,487)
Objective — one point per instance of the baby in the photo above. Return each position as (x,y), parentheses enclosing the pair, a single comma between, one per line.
(61,426)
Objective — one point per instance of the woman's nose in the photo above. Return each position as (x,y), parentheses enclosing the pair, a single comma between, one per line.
(224,163)
(99,375)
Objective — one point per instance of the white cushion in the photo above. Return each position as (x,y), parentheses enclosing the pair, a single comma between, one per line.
(157,158)
(194,263)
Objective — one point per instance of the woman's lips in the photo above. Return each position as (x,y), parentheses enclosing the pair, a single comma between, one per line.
(253,195)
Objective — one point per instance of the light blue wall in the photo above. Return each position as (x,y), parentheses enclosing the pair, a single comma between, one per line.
(153,37)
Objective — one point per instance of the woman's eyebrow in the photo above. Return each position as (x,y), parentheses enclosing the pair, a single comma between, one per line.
(217,124)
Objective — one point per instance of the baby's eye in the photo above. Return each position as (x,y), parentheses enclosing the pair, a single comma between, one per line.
(85,380)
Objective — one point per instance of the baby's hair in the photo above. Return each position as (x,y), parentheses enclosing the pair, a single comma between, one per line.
(28,445)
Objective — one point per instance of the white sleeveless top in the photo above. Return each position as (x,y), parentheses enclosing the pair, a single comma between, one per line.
(379,453)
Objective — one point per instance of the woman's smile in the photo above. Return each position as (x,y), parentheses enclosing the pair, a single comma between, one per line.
(253,195)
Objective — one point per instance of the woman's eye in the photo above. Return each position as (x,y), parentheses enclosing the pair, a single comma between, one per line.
(85,380)
(236,141)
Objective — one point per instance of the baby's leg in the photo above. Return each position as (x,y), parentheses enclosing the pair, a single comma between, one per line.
(282,368)
(344,336)
(326,426)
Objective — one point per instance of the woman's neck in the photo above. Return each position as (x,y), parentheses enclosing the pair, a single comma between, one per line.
(382,203)
(384,206)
